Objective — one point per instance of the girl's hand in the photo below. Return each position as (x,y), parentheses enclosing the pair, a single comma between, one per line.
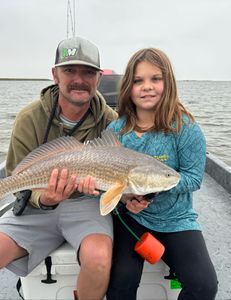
(135,203)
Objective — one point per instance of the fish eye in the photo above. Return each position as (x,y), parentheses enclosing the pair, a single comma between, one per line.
(168,174)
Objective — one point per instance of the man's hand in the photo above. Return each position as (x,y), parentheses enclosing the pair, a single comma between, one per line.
(88,186)
(60,187)
(135,203)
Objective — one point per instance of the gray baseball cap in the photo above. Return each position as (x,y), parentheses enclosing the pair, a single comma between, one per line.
(77,51)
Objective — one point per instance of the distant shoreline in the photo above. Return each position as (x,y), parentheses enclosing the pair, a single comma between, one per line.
(25,79)
(46,79)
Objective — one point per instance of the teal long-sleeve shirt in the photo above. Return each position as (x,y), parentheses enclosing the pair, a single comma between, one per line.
(171,211)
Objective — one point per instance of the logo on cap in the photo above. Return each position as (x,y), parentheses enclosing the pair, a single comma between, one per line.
(66,52)
(77,51)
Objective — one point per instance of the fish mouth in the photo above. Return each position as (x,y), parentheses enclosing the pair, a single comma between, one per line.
(169,187)
(141,190)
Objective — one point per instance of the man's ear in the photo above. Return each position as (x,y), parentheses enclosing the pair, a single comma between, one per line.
(99,78)
(54,73)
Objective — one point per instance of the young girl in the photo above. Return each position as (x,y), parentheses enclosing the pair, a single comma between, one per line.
(154,121)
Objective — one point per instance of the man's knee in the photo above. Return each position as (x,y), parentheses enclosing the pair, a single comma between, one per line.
(96,252)
(9,250)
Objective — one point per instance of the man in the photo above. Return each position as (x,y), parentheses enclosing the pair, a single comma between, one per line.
(63,211)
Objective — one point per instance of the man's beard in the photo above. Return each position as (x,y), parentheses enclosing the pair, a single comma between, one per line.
(78,103)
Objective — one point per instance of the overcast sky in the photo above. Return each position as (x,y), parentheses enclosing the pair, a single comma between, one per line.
(195,34)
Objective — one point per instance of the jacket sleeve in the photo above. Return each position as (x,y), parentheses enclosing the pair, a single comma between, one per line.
(23,141)
(191,149)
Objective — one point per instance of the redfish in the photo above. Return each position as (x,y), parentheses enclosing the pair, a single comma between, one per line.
(117,170)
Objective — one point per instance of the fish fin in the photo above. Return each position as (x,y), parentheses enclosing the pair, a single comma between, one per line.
(110,199)
(62,144)
(108,138)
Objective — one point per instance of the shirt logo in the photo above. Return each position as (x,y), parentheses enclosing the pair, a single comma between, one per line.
(162,158)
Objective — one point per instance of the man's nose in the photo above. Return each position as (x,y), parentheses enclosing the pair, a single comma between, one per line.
(78,77)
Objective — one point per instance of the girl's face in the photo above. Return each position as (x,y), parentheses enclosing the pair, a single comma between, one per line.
(148,86)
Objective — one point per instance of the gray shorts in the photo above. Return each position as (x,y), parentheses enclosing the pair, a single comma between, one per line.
(42,231)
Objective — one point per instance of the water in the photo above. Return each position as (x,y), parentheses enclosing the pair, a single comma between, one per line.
(14,95)
(209,101)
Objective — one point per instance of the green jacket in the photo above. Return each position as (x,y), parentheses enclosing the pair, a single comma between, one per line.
(31,123)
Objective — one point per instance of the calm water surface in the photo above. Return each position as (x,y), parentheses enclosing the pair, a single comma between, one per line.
(209,101)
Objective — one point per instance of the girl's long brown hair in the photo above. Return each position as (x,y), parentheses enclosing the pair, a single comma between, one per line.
(168,109)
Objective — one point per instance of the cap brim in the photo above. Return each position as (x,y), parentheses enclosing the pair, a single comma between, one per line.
(78,62)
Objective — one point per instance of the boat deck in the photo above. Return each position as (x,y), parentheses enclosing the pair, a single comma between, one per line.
(213,204)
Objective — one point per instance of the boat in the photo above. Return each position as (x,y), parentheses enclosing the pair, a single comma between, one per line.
(212,201)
